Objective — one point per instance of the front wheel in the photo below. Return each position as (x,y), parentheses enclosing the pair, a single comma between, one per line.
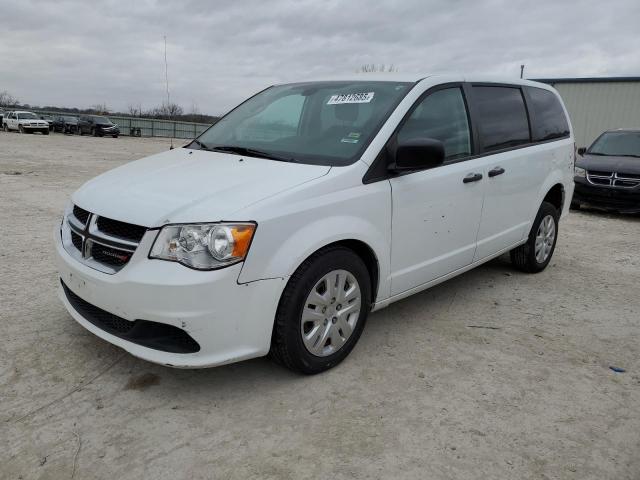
(20,128)
(535,255)
(322,311)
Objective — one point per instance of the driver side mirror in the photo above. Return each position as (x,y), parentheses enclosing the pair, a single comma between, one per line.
(582,151)
(418,154)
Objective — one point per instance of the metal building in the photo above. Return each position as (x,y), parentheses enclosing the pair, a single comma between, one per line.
(599,104)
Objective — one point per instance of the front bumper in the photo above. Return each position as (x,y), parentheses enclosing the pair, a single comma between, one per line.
(109,131)
(228,320)
(626,200)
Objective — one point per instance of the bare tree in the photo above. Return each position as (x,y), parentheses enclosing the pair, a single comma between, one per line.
(373,68)
(135,110)
(7,100)
(165,110)
(100,108)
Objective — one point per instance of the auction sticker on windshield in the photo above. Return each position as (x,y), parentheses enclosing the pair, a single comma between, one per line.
(350,98)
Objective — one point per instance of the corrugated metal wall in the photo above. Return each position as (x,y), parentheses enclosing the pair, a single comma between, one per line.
(596,107)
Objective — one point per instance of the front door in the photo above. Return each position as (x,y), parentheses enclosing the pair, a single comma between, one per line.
(436,212)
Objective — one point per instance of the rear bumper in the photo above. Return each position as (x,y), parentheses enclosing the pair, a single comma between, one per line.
(227,320)
(610,198)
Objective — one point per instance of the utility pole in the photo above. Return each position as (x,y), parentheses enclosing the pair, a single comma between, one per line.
(166,79)
(521,70)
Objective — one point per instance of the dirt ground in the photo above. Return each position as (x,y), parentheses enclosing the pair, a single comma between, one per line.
(492,375)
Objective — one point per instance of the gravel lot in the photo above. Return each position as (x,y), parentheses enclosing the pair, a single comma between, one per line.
(528,394)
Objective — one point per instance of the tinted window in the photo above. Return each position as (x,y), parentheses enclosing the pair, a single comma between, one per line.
(549,120)
(443,116)
(503,117)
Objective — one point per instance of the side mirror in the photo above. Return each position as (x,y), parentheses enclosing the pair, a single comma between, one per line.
(582,151)
(418,154)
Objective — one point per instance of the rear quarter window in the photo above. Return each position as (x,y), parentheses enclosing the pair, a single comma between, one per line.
(502,116)
(548,118)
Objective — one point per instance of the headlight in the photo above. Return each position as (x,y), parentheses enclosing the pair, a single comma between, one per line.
(204,246)
(579,172)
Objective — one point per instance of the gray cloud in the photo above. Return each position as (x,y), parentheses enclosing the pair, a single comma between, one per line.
(79,53)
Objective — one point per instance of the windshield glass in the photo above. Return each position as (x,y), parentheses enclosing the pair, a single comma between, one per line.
(617,144)
(69,119)
(101,119)
(328,123)
(26,115)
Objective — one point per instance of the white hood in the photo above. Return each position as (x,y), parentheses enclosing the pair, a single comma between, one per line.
(185,185)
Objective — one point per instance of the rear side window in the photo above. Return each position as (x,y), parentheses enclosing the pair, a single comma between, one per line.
(503,117)
(443,116)
(549,121)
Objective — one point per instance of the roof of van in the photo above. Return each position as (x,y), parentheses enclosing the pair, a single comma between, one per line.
(416,77)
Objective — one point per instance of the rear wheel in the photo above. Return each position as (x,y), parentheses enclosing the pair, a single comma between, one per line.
(535,255)
(322,311)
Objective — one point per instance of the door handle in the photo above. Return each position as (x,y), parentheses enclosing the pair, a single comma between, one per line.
(472,177)
(496,171)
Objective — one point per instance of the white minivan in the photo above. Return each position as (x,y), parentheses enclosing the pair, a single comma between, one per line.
(310,205)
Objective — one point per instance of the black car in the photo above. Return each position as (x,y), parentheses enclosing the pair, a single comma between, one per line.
(65,124)
(607,174)
(98,126)
(49,120)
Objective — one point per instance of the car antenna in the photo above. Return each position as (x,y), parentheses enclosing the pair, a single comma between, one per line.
(166,79)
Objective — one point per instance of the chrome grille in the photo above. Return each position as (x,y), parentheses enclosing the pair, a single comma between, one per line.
(99,242)
(613,179)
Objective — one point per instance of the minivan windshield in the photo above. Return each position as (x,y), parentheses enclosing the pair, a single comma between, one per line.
(321,123)
(619,144)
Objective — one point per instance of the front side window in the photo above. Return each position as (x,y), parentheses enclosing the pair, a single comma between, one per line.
(549,119)
(618,144)
(442,115)
(321,123)
(502,116)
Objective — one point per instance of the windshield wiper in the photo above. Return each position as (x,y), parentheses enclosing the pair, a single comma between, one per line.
(250,152)
(200,144)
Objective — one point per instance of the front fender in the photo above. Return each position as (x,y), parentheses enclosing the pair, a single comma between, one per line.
(282,243)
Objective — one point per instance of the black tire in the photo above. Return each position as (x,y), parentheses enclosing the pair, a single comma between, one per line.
(93,132)
(5,128)
(575,205)
(45,132)
(287,347)
(524,257)
(21,129)
(115,136)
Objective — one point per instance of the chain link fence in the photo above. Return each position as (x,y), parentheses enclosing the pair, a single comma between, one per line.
(144,127)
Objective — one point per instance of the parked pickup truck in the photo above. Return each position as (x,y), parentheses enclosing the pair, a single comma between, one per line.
(24,122)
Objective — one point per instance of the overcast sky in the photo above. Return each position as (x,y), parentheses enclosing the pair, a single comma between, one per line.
(79,53)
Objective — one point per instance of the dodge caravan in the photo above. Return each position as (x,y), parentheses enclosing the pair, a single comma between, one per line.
(310,205)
